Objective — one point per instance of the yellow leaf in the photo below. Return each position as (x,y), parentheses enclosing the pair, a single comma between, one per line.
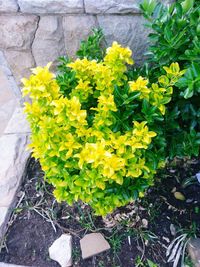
(100,184)
(179,196)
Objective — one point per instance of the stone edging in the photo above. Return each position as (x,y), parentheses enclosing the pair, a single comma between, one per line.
(34,32)
(14,136)
(13,161)
(71,6)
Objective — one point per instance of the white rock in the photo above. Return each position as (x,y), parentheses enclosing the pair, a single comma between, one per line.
(76,28)
(51,6)
(61,250)
(17,32)
(48,44)
(128,31)
(8,6)
(145,223)
(112,6)
(20,63)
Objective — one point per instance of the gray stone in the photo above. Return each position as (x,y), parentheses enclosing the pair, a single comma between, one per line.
(126,30)
(115,6)
(6,110)
(5,68)
(51,6)
(93,244)
(194,251)
(17,123)
(13,160)
(112,6)
(20,63)
(76,28)
(8,6)
(17,32)
(48,44)
(7,101)
(61,250)
(4,65)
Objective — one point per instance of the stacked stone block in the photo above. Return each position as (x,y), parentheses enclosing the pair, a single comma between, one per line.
(38,31)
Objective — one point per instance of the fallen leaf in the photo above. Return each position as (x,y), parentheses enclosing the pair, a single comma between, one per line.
(179,196)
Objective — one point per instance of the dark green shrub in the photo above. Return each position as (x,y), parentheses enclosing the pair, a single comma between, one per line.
(176,37)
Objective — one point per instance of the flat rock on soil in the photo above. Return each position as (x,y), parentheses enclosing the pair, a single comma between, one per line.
(93,244)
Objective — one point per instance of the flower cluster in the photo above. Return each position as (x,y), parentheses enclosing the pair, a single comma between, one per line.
(75,136)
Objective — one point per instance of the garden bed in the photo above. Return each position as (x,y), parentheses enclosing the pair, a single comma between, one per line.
(136,232)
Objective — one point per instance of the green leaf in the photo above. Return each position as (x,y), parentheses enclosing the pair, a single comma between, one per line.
(179,10)
(131,97)
(148,6)
(187,5)
(151,264)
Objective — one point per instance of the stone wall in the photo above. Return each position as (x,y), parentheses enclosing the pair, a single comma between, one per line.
(34,32)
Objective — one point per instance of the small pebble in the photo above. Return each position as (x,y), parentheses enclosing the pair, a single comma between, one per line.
(189,200)
(198,176)
(145,223)
(166,239)
(172,229)
(173,190)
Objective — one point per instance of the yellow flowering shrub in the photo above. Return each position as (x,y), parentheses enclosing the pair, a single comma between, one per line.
(100,143)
